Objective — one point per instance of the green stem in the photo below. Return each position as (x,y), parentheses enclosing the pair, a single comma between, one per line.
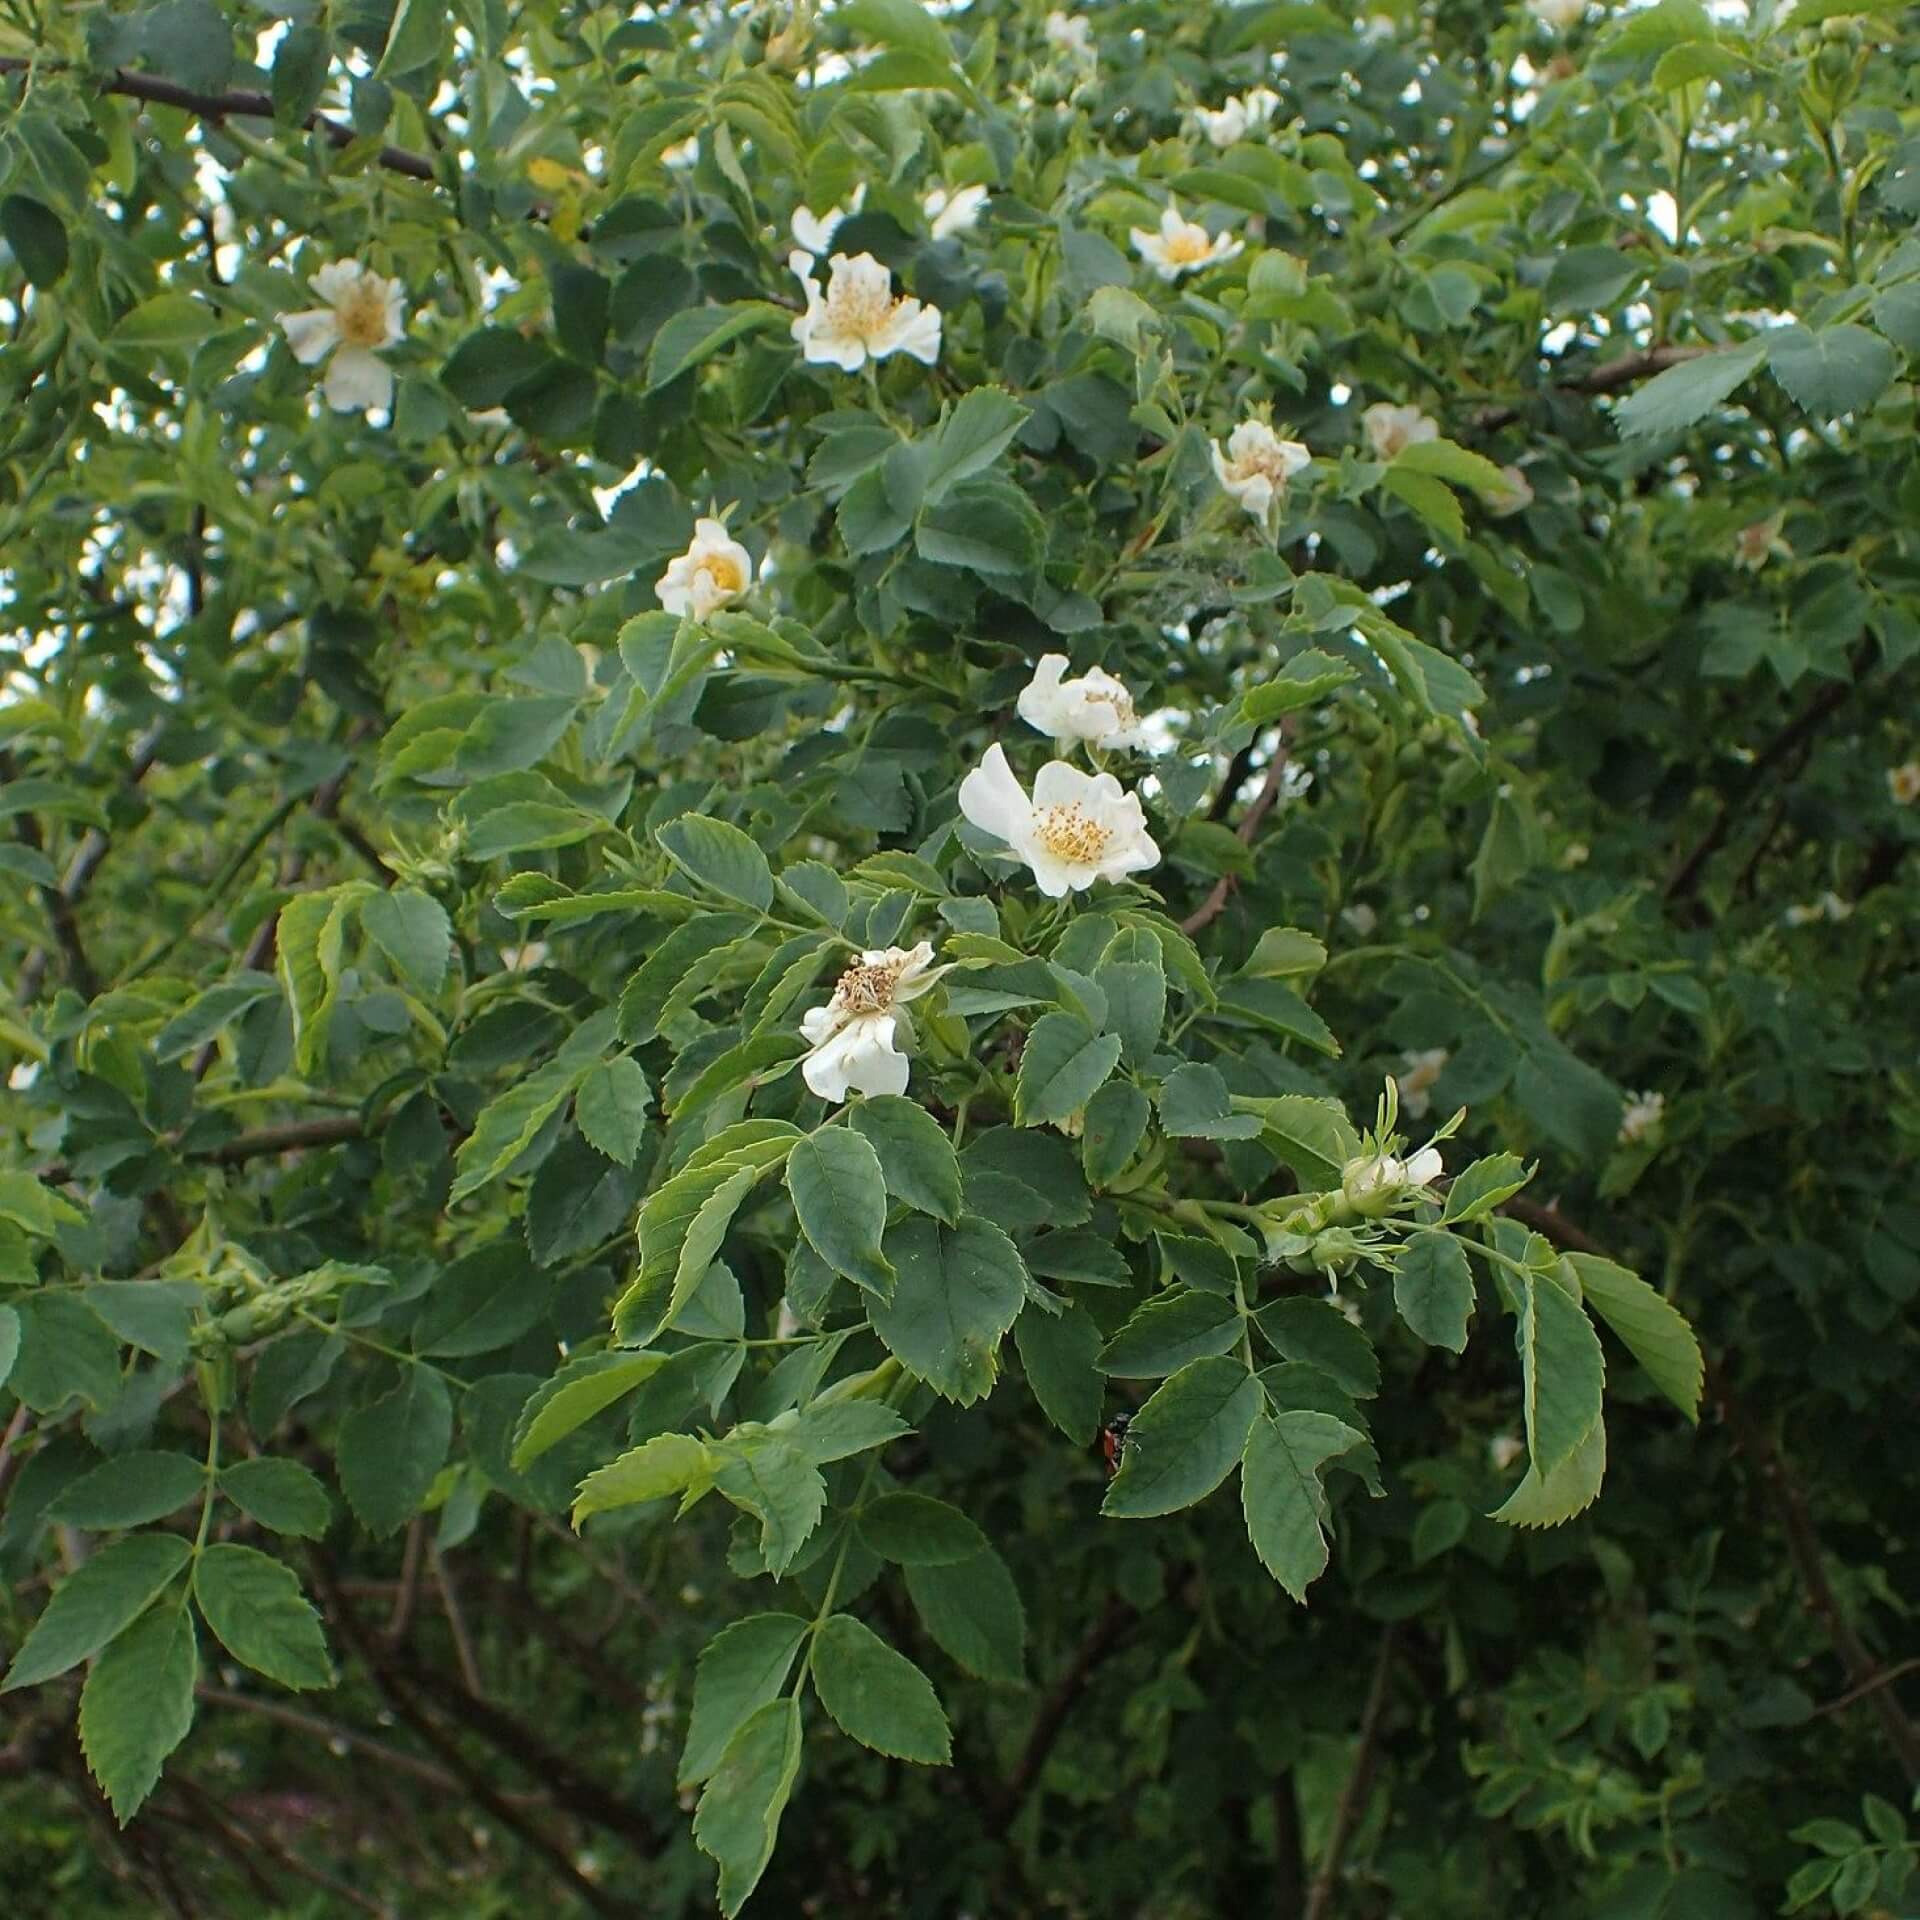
(213,1469)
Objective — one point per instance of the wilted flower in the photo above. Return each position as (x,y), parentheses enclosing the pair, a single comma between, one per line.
(853,1035)
(713,573)
(1237,116)
(1642,1117)
(1256,464)
(1095,708)
(1070,33)
(1758,542)
(1903,783)
(1515,497)
(953,212)
(1557,14)
(1182,246)
(860,319)
(814,231)
(1077,828)
(1391,429)
(363,313)
(1423,1069)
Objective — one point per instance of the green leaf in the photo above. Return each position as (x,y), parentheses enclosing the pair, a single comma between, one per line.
(485,1300)
(698,333)
(1116,1123)
(1185,1440)
(761,1473)
(1282,1496)
(299,74)
(916,1157)
(840,1195)
(255,1606)
(588,1384)
(877,1696)
(739,1813)
(1285,953)
(1433,501)
(740,1670)
(1682,395)
(1136,993)
(1563,1372)
(1433,1289)
(9,1341)
(1833,370)
(1479,1189)
(1195,1105)
(957,1291)
(702,1195)
(1061,1068)
(1649,1326)
(668,1463)
(508,1125)
(95,1603)
(972,1612)
(1169,1330)
(719,857)
(1318,1333)
(914,1531)
(37,238)
(986,525)
(414,39)
(166,322)
(971,438)
(1058,1352)
(391,1449)
(611,1107)
(129,1490)
(412,929)
(311,938)
(279,1494)
(65,1353)
(1546,1500)
(137,1705)
(1591,279)
(34,1208)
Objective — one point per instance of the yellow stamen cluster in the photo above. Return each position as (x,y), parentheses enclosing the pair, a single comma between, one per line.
(1068,833)
(724,571)
(362,315)
(1189,244)
(859,306)
(865,989)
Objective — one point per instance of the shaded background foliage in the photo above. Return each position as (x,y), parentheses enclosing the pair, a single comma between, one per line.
(1663,263)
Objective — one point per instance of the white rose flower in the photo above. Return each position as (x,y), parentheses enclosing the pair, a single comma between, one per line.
(1557,14)
(1182,246)
(1423,1069)
(1237,116)
(1383,1177)
(1256,464)
(1069,33)
(1077,828)
(1095,708)
(1642,1117)
(1515,497)
(1390,429)
(713,573)
(853,1035)
(814,231)
(1756,544)
(859,319)
(953,212)
(363,313)
(1903,783)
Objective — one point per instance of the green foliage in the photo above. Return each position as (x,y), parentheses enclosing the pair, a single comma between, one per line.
(669,929)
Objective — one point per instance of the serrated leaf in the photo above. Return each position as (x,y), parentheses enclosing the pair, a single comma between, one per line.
(412,929)
(1281,1494)
(1185,1440)
(129,1490)
(279,1494)
(1563,1372)
(740,1669)
(840,1195)
(1058,1352)
(95,1603)
(1433,1289)
(1062,1066)
(1649,1326)
(719,856)
(913,1530)
(1548,1500)
(1168,1330)
(878,1696)
(971,438)
(1678,397)
(137,1705)
(611,1107)
(973,1613)
(669,1463)
(739,1813)
(957,1291)
(254,1605)
(586,1385)
(916,1156)
(1831,370)
(507,1125)
(391,1449)
(778,1485)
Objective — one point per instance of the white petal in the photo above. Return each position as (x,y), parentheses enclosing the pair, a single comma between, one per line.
(912,329)
(992,798)
(338,280)
(357,382)
(1040,704)
(818,1024)
(814,231)
(1054,877)
(822,347)
(861,1057)
(1424,1168)
(1061,784)
(312,335)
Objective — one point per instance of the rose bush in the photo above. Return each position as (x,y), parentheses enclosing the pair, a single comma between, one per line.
(941,1018)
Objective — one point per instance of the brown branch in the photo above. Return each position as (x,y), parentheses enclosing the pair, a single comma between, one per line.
(1885,1677)
(327,1131)
(1359,1785)
(1799,731)
(239,105)
(318,1727)
(66,927)
(470,1675)
(1609,377)
(1115,1623)
(1211,908)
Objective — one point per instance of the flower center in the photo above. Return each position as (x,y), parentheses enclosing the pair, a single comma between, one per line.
(724,572)
(1070,834)
(1188,245)
(362,315)
(858,306)
(865,989)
